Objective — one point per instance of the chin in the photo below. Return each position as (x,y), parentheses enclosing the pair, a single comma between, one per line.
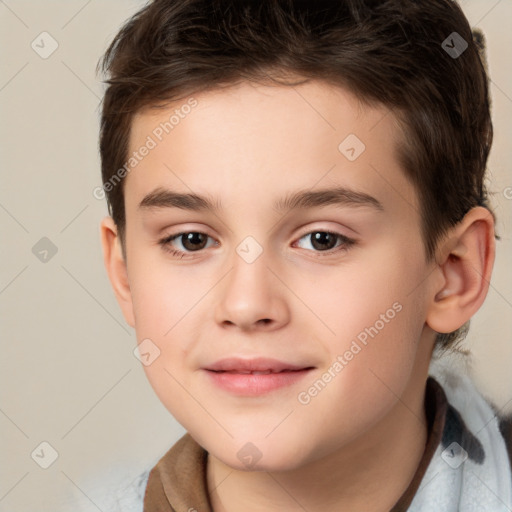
(258,455)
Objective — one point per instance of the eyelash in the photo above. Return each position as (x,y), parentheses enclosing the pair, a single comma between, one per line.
(345,244)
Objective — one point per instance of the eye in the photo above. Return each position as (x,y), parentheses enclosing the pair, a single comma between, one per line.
(191,241)
(194,241)
(326,241)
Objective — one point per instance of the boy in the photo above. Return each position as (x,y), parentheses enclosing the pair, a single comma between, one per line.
(325,160)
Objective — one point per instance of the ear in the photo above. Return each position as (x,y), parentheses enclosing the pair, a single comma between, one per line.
(465,261)
(116,268)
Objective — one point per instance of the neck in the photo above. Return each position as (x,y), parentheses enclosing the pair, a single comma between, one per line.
(370,473)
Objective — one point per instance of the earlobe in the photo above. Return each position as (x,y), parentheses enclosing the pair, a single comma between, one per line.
(465,261)
(115,266)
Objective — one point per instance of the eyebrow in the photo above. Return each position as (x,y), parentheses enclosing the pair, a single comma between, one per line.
(301,199)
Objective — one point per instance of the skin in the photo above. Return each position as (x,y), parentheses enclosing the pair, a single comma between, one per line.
(357,443)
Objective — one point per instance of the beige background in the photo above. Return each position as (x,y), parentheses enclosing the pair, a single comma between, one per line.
(68,373)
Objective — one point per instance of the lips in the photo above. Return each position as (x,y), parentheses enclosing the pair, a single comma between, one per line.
(252,377)
(254,372)
(258,366)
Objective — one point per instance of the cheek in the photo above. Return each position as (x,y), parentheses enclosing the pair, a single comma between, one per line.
(371,324)
(368,290)
(164,302)
(161,295)
(171,388)
(362,380)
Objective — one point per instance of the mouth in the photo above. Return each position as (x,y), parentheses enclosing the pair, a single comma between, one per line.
(253,372)
(251,377)
(256,365)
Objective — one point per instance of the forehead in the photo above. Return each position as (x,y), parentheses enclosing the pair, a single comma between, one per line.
(272,114)
(256,141)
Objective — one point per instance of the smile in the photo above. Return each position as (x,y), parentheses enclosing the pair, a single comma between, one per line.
(254,377)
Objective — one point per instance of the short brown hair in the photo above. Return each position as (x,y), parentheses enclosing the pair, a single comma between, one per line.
(417,58)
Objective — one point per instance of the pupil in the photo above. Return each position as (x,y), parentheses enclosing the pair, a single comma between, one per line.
(190,240)
(323,238)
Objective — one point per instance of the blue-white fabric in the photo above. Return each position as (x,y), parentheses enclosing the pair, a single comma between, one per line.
(470,470)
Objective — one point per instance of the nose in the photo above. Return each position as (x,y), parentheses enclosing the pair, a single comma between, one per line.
(251,297)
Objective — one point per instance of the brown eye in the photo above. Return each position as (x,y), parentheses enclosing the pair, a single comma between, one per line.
(327,241)
(193,241)
(190,242)
(322,240)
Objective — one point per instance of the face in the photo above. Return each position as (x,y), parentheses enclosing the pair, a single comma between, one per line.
(285,304)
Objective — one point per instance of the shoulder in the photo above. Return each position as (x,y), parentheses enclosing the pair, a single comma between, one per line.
(129,496)
(110,490)
(452,372)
